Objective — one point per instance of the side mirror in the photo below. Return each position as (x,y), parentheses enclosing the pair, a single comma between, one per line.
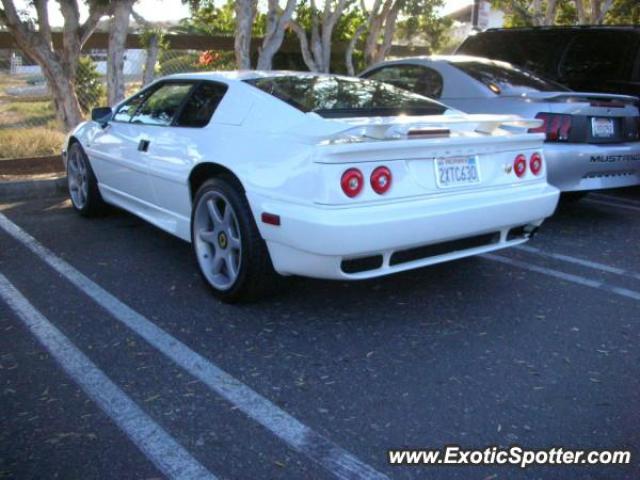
(101,115)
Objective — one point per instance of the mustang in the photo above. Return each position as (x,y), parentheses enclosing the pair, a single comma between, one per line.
(315,175)
(592,139)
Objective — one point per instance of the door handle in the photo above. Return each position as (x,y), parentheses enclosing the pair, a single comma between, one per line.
(143,146)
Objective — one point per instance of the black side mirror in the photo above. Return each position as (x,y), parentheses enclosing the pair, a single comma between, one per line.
(101,115)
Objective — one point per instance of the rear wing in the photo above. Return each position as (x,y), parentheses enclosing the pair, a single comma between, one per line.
(595,99)
(439,126)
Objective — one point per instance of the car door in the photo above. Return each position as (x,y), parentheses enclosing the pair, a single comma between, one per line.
(122,173)
(175,150)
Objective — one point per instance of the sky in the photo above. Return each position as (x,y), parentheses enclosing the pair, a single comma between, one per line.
(165,10)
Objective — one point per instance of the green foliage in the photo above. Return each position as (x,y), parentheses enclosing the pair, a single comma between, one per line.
(518,12)
(89,88)
(209,19)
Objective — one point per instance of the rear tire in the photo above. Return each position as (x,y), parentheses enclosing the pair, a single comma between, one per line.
(232,256)
(82,184)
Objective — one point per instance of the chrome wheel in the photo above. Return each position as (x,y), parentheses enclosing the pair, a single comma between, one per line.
(77,178)
(216,238)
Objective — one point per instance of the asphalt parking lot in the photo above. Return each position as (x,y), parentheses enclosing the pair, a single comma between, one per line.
(538,346)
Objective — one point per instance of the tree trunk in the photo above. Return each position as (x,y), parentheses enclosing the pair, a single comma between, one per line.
(118,30)
(245,14)
(274,36)
(58,66)
(153,49)
(348,54)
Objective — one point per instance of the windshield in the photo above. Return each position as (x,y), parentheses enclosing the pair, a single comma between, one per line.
(345,97)
(499,78)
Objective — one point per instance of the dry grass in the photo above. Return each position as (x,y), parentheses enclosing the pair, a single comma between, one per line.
(30,142)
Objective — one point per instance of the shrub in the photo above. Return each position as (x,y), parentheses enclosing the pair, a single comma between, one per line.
(89,87)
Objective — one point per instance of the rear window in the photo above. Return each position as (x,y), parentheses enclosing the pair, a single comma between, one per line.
(500,78)
(343,97)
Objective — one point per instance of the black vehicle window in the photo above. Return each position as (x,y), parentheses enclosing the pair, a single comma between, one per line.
(415,78)
(201,104)
(162,104)
(332,96)
(536,51)
(598,55)
(502,77)
(128,109)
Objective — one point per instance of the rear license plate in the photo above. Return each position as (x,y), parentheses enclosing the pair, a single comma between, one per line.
(602,127)
(457,172)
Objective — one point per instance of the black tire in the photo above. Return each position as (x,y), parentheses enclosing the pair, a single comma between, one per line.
(255,276)
(93,204)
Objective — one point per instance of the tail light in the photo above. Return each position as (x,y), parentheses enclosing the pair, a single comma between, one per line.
(556,126)
(381,180)
(535,163)
(352,182)
(520,165)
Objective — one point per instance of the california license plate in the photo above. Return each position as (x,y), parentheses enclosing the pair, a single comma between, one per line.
(602,127)
(457,172)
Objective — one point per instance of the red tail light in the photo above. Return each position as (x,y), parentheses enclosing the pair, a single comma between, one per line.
(352,182)
(556,126)
(381,180)
(520,165)
(535,163)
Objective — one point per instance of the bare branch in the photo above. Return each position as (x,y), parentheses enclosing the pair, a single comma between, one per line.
(348,55)
(97,10)
(43,20)
(304,45)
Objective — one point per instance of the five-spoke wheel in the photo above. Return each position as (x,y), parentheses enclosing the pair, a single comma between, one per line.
(82,183)
(230,252)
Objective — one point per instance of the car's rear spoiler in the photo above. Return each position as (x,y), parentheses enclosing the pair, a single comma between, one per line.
(403,128)
(595,99)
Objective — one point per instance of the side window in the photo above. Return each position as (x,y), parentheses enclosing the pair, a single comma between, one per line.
(415,78)
(162,105)
(128,109)
(201,104)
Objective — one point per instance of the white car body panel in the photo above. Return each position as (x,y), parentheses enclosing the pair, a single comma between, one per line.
(278,155)
(571,166)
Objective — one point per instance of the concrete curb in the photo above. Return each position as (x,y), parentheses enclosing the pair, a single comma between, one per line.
(28,189)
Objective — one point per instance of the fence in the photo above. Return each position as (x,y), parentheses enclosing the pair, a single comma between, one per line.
(28,125)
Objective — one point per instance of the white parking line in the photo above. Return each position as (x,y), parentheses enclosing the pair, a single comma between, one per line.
(611,204)
(579,261)
(159,447)
(568,277)
(294,433)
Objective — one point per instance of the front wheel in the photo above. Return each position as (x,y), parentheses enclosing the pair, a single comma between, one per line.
(82,183)
(232,256)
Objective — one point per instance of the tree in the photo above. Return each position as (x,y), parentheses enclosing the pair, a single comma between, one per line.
(58,66)
(245,15)
(568,12)
(277,22)
(153,40)
(118,31)
(380,26)
(316,51)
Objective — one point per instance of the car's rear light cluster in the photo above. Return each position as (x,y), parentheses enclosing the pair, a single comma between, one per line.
(352,181)
(556,126)
(534,164)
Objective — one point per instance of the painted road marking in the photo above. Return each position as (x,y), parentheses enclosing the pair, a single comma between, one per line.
(568,277)
(158,446)
(294,433)
(579,261)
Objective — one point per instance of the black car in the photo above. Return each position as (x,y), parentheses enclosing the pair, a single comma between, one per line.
(586,58)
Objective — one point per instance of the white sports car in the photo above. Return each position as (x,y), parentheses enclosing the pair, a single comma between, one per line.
(315,175)
(592,139)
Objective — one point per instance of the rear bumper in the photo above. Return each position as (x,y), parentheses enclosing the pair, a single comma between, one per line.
(314,241)
(575,167)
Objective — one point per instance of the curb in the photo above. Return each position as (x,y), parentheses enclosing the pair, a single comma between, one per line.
(29,189)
